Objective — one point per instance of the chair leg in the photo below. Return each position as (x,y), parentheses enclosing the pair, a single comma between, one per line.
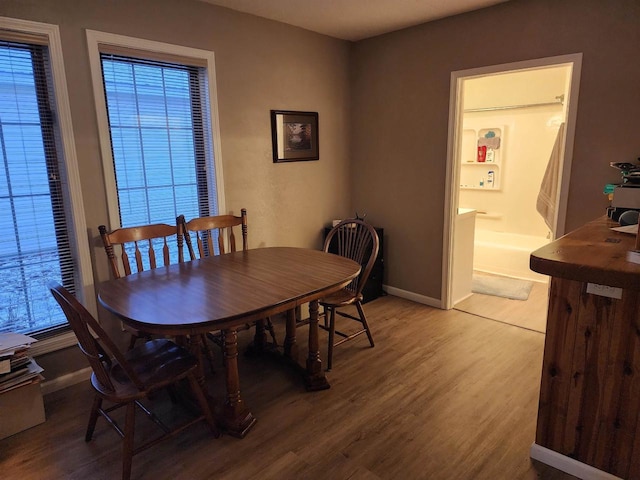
(127,441)
(171,390)
(332,329)
(93,417)
(132,341)
(222,342)
(197,390)
(218,340)
(272,331)
(260,337)
(363,319)
(208,352)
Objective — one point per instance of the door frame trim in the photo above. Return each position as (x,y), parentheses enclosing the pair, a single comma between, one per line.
(454,131)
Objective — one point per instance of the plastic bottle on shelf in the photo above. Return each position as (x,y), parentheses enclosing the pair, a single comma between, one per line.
(482,153)
(482,182)
(491,155)
(490,174)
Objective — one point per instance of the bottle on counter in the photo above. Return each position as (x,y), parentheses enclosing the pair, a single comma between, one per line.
(490,174)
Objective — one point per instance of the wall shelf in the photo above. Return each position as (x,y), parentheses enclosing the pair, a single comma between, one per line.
(481,152)
(464,187)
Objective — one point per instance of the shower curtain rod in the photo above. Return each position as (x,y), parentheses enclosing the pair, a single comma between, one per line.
(560,101)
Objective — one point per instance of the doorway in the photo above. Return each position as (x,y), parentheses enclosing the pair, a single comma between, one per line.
(506,124)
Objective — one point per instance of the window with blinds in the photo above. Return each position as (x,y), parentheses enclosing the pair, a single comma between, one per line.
(162,152)
(35,244)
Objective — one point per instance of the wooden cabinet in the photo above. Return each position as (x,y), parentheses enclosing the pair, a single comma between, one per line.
(590,389)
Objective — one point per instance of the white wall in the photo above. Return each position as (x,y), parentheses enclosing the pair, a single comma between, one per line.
(528,135)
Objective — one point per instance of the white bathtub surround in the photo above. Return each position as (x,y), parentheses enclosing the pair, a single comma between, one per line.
(507,254)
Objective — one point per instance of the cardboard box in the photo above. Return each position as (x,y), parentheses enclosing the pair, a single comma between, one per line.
(21,408)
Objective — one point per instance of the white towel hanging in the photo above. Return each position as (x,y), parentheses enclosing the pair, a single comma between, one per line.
(547,197)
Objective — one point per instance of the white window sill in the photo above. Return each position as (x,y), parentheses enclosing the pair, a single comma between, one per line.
(57,342)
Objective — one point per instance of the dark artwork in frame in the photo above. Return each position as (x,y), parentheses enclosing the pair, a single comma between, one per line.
(294,136)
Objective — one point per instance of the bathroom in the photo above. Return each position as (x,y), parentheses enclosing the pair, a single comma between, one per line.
(510,125)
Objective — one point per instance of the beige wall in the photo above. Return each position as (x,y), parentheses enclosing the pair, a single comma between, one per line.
(400,91)
(395,112)
(260,65)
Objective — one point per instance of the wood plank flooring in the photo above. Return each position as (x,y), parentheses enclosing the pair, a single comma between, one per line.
(443,395)
(530,313)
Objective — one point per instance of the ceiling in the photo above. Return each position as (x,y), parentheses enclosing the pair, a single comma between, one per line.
(354,19)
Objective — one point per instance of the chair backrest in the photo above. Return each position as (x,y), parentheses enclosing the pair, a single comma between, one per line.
(99,350)
(141,242)
(358,241)
(211,232)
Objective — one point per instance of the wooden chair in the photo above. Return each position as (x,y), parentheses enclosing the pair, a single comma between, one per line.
(357,240)
(141,244)
(214,235)
(144,244)
(126,379)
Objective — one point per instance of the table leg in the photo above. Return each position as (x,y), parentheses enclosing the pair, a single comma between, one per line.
(260,343)
(314,377)
(290,344)
(260,337)
(236,419)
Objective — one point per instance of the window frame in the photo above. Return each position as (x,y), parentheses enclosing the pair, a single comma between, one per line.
(101,41)
(71,176)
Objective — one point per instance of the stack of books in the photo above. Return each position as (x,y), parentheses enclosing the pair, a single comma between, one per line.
(17,368)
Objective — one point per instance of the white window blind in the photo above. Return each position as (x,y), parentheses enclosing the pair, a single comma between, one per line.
(35,246)
(159,124)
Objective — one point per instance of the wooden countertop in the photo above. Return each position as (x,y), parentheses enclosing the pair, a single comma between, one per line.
(593,253)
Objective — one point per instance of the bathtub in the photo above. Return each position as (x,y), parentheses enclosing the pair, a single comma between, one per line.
(506,254)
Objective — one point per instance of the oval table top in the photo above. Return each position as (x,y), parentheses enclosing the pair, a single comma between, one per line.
(221,291)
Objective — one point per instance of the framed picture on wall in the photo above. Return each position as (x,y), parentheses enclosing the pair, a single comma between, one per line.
(294,136)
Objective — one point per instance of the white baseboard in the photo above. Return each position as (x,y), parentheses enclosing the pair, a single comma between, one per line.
(415,297)
(65,381)
(568,465)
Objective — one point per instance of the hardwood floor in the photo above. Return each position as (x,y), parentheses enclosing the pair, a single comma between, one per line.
(443,395)
(530,313)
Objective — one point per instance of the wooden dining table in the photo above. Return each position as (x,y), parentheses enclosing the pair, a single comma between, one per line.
(225,292)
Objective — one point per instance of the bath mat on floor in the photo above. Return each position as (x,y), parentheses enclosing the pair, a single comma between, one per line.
(501,287)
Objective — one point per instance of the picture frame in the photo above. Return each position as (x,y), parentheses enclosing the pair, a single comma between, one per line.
(294,136)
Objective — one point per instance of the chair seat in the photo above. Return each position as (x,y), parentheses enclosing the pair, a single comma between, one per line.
(340,298)
(157,363)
